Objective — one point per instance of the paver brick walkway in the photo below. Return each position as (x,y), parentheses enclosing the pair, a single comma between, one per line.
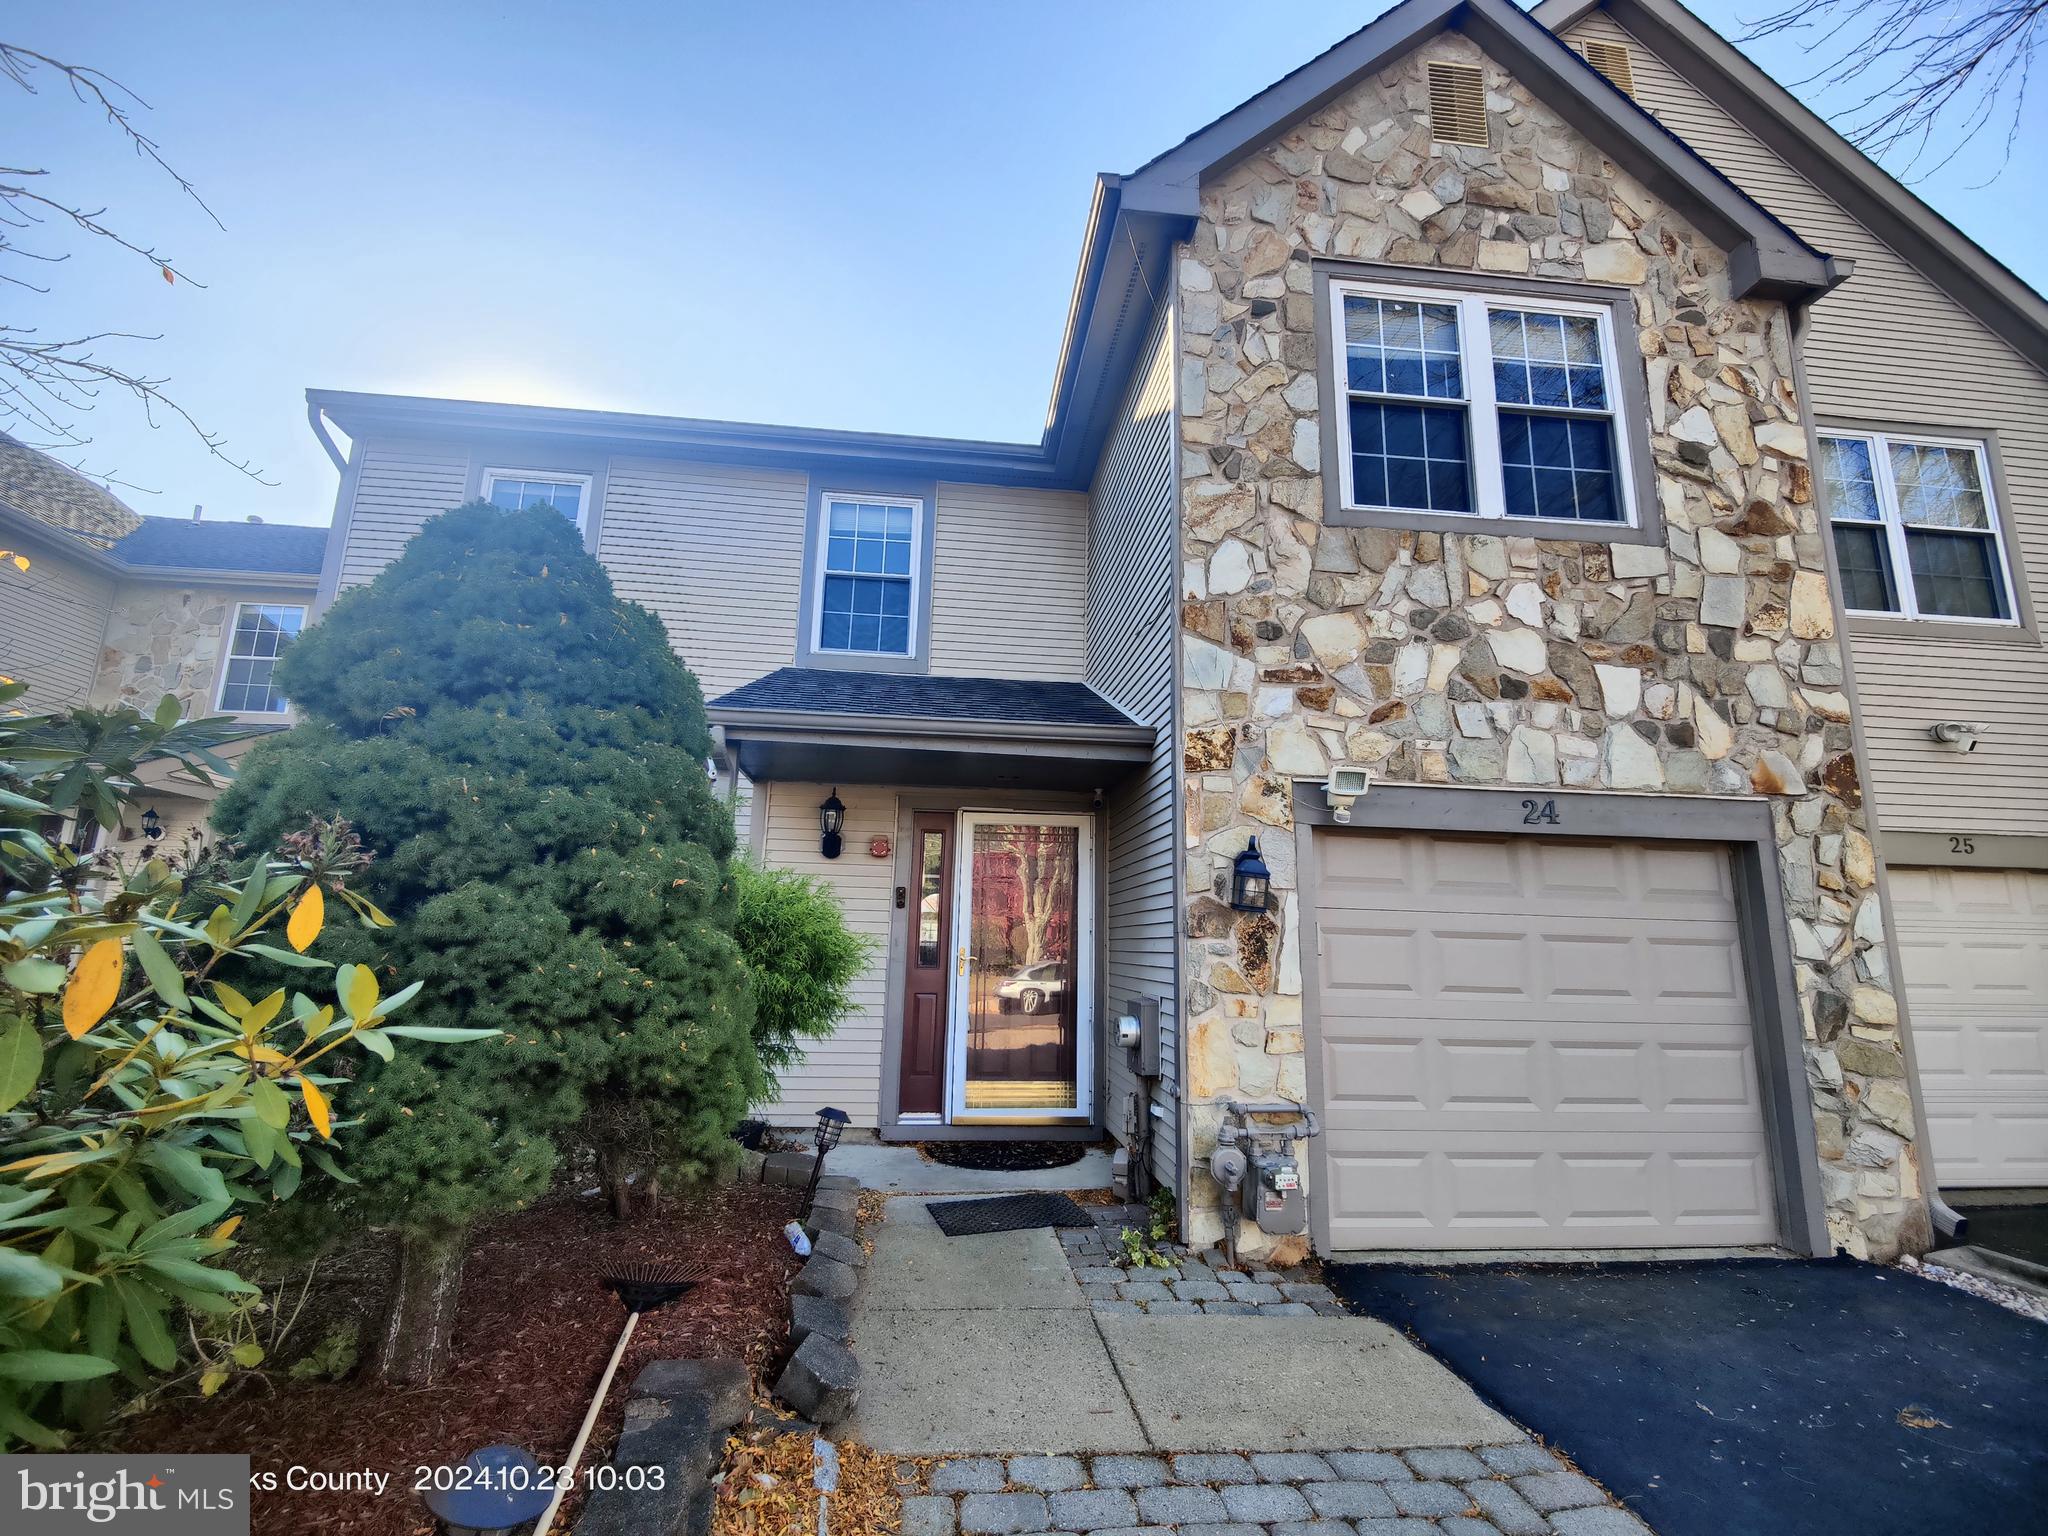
(1189,1284)
(1492,1490)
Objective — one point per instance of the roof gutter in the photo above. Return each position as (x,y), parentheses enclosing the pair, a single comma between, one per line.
(317,419)
(786,724)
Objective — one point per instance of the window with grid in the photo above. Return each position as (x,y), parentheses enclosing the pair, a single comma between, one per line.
(261,633)
(516,490)
(1479,407)
(868,582)
(1915,527)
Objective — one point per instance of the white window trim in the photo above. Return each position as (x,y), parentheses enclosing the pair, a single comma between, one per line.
(228,658)
(560,476)
(1482,411)
(822,534)
(1893,521)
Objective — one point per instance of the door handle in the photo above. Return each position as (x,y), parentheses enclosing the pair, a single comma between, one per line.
(963,959)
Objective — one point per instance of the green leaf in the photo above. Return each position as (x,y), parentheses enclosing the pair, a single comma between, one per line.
(102,1320)
(32,973)
(397,1000)
(272,1104)
(49,1365)
(23,1274)
(167,712)
(200,1276)
(157,965)
(21,1062)
(322,1159)
(285,957)
(188,1170)
(437,1034)
(261,1141)
(146,1324)
(375,1041)
(25,1429)
(247,1356)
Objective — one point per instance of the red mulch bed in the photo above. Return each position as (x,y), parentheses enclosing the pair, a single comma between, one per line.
(533,1333)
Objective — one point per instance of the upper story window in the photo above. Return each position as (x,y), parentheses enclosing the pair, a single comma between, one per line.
(1477,405)
(517,489)
(261,633)
(867,597)
(1916,527)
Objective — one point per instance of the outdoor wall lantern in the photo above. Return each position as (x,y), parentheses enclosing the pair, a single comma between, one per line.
(152,824)
(831,1126)
(1249,879)
(831,818)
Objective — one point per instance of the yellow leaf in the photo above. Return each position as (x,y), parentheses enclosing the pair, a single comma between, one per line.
(308,914)
(258,1018)
(361,998)
(230,999)
(94,985)
(226,1229)
(316,1107)
(248,1050)
(316,1023)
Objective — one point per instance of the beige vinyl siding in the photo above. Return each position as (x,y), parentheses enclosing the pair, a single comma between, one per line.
(1130,628)
(717,551)
(845,1069)
(1010,583)
(1888,346)
(52,618)
(398,487)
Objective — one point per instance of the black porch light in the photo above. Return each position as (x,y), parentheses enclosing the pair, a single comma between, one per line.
(501,1489)
(831,818)
(1249,879)
(152,824)
(831,1126)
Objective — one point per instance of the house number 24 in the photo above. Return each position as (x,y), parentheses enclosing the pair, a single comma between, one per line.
(1540,813)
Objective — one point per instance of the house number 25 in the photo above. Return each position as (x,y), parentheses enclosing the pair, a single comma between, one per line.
(1540,813)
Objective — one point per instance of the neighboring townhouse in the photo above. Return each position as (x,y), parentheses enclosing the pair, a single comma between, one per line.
(1925,376)
(1457,461)
(115,609)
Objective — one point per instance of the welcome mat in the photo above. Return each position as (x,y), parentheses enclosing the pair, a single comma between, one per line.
(1006,1213)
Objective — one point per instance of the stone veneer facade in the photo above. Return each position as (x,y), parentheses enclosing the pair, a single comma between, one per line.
(1707,664)
(163,639)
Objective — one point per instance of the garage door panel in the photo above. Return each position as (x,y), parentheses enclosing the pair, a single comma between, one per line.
(1517,1193)
(1535,1045)
(1973,948)
(1679,882)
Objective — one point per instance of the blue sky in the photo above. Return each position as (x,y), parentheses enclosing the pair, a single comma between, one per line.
(833,215)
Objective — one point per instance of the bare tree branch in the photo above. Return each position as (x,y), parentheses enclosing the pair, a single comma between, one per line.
(48,384)
(1922,74)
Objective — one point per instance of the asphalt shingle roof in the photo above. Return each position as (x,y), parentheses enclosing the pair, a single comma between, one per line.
(178,543)
(38,486)
(818,691)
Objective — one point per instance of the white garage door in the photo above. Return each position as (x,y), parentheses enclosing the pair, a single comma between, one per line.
(1529,1043)
(1974,949)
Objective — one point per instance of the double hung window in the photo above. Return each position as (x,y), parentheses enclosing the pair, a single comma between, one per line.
(1915,526)
(1478,405)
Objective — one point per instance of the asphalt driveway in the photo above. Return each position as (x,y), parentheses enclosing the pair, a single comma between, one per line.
(1828,1397)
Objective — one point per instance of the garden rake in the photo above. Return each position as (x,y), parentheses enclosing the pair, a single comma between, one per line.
(641,1288)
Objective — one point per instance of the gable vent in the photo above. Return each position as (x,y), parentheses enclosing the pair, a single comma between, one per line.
(1611,59)
(1457,104)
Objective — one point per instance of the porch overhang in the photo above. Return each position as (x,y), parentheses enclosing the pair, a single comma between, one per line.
(862,728)
(891,749)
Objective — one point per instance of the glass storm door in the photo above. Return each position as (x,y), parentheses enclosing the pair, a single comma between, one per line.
(1023,951)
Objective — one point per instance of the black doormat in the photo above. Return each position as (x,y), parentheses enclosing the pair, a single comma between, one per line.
(1006,1213)
(1005,1156)
(1718,1398)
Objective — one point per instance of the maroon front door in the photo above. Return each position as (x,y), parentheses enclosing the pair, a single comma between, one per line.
(927,969)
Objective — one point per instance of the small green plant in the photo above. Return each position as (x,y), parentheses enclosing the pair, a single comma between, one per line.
(333,1357)
(1141,1248)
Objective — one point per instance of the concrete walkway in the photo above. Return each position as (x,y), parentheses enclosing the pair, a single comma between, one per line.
(986,1344)
(900,1169)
